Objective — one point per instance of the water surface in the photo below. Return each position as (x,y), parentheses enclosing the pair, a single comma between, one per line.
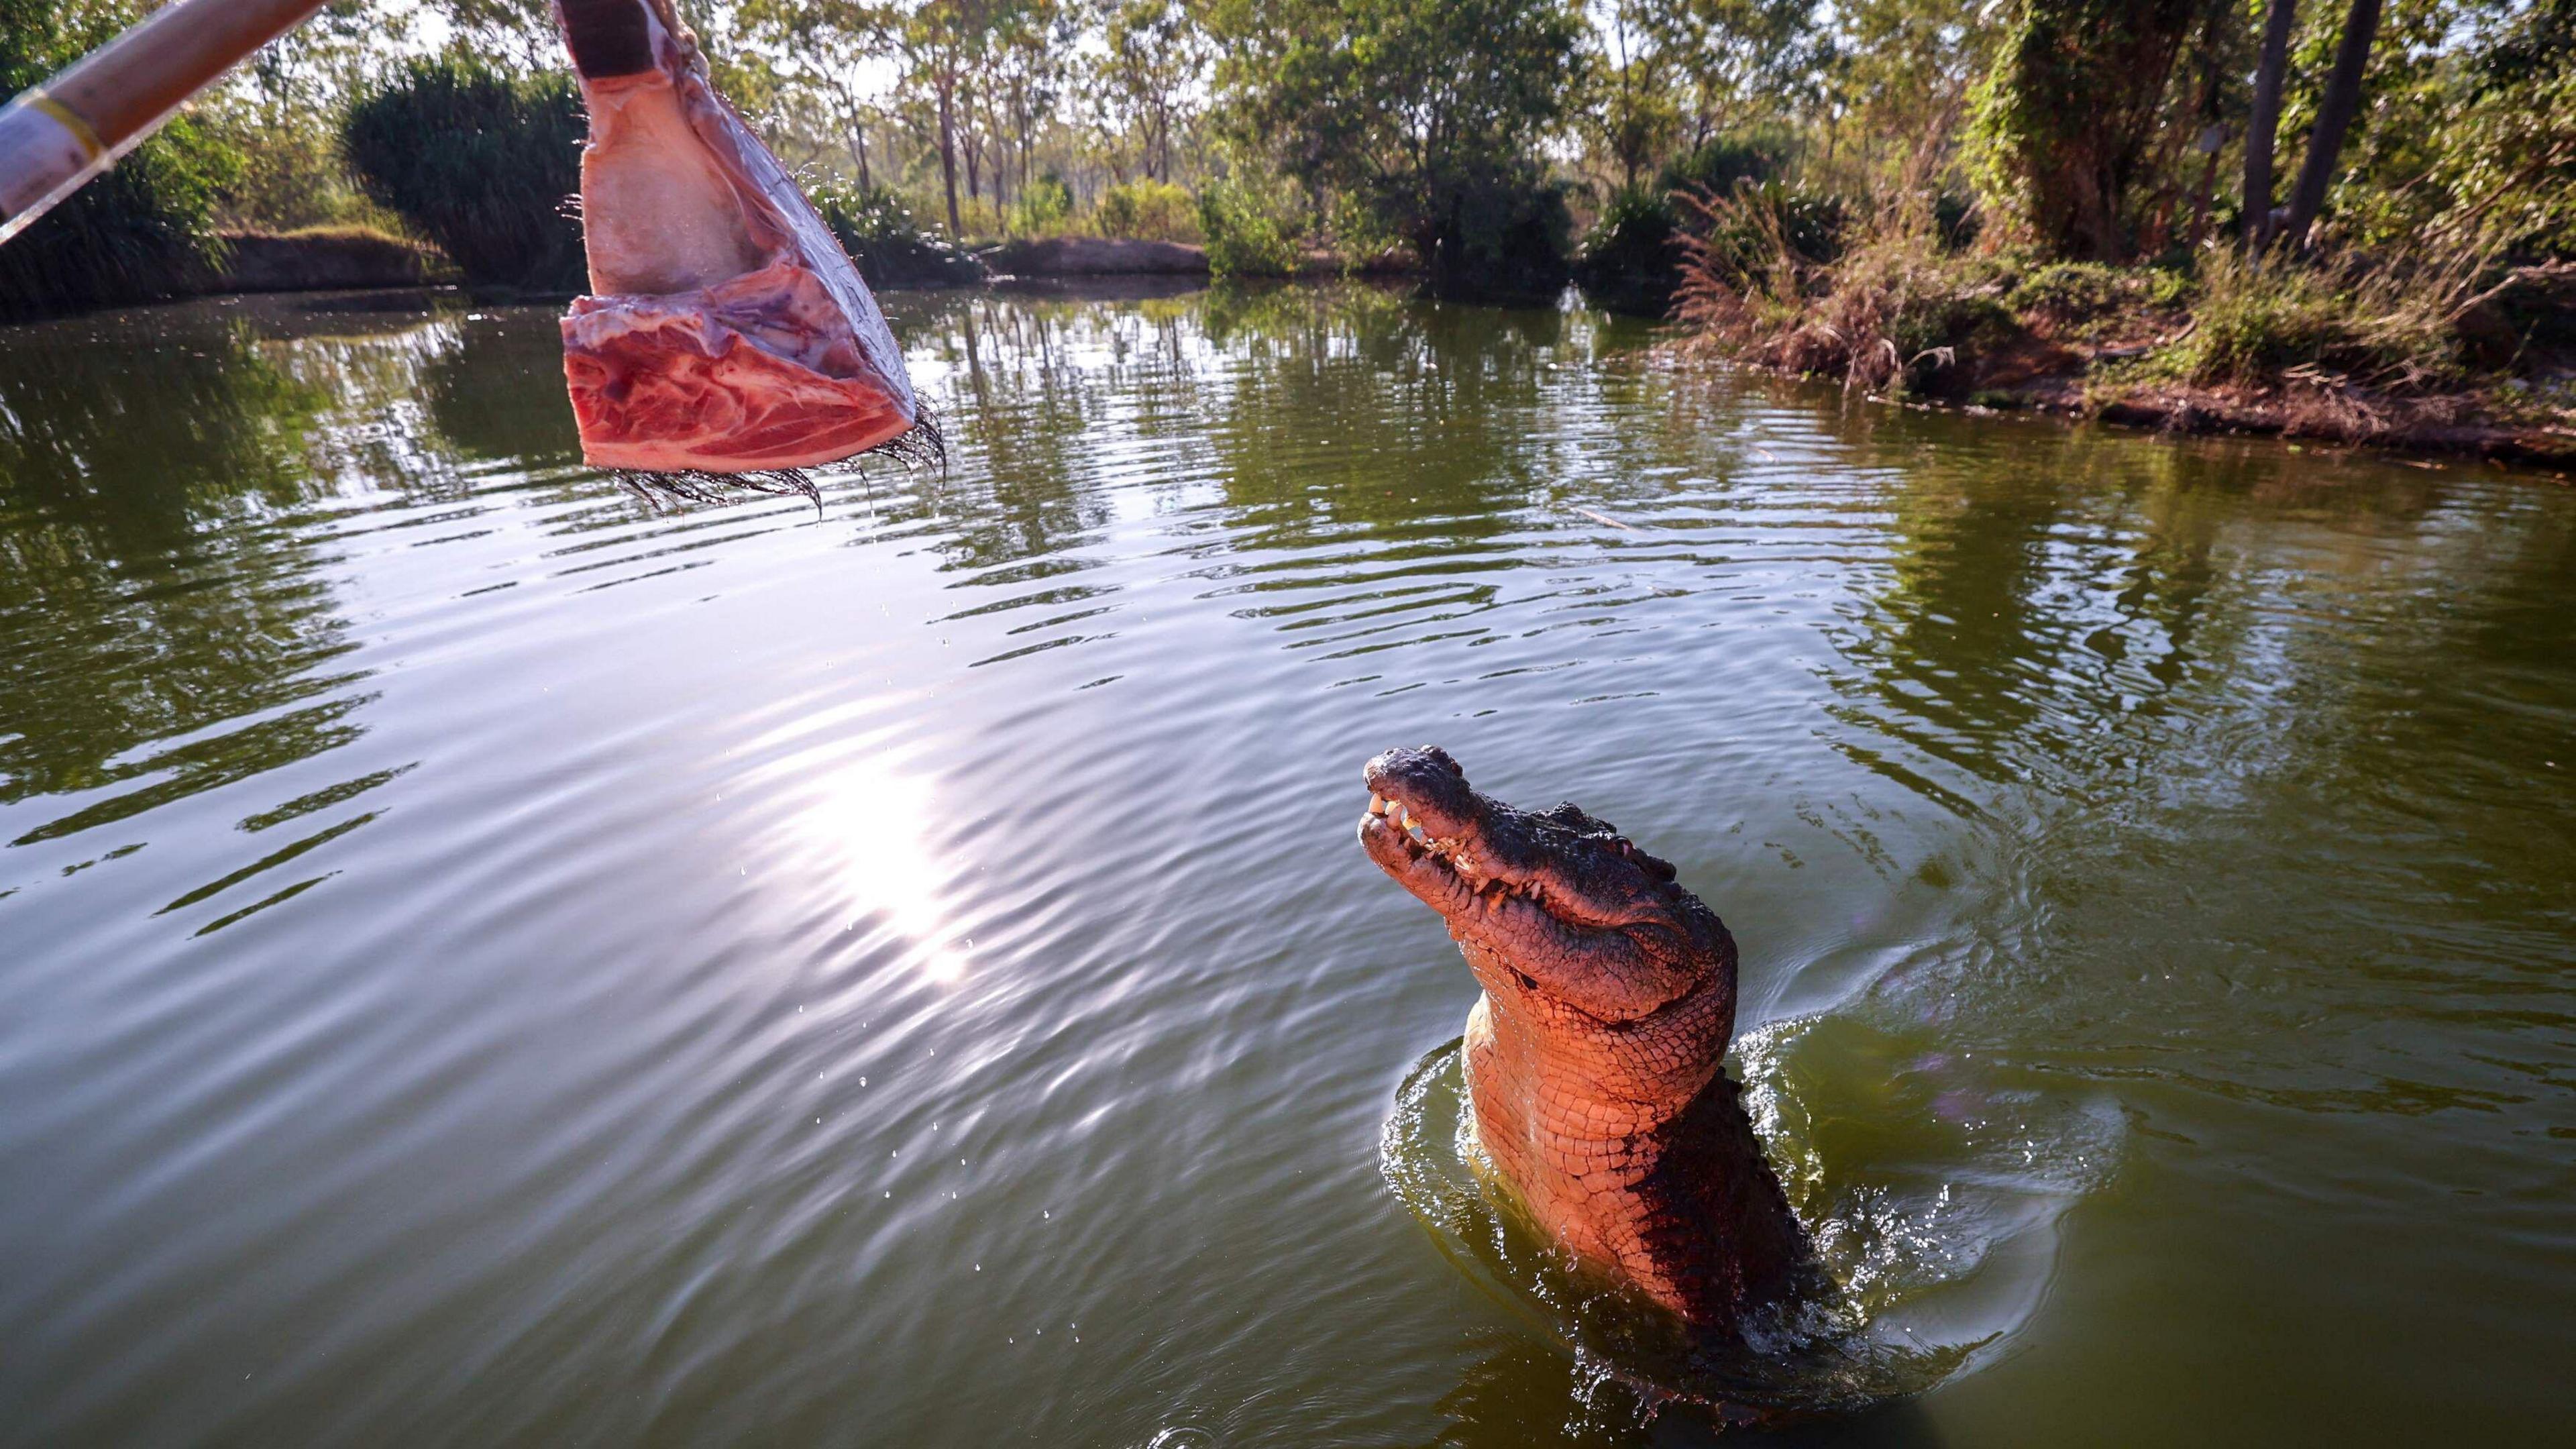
(488,961)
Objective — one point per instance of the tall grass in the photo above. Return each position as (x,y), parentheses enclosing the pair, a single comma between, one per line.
(481,161)
(1781,278)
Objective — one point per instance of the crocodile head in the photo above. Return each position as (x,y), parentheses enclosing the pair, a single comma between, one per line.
(1560,899)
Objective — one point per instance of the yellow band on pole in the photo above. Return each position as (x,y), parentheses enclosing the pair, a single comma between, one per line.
(55,136)
(68,119)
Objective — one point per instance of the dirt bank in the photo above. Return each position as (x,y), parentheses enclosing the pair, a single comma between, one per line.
(1094,256)
(329,259)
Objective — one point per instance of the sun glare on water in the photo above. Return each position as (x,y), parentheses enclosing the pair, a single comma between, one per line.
(858,828)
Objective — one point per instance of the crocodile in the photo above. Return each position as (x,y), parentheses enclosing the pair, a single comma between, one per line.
(1594,1056)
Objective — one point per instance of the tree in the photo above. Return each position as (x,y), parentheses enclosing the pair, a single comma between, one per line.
(490,28)
(821,49)
(2335,111)
(2063,121)
(1894,77)
(1155,54)
(943,43)
(2263,124)
(1734,56)
(1636,120)
(1032,61)
(1430,111)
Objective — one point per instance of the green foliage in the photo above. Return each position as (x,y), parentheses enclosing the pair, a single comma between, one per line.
(143,230)
(1629,261)
(1249,230)
(1504,237)
(1148,211)
(1719,162)
(891,249)
(480,161)
(2071,293)
(2061,125)
(2505,141)
(1431,112)
(2254,324)
(291,173)
(1043,206)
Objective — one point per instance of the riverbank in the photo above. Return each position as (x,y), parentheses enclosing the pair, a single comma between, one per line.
(2352,361)
(324,259)
(2477,423)
(238,263)
(1093,256)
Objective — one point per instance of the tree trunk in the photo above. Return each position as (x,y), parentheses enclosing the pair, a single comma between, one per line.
(948,157)
(2263,123)
(2200,198)
(2213,134)
(2342,101)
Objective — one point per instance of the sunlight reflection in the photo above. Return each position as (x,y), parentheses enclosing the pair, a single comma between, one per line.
(863,831)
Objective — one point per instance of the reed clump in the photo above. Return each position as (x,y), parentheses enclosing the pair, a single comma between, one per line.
(482,161)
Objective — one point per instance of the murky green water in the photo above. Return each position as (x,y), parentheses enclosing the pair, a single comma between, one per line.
(485,962)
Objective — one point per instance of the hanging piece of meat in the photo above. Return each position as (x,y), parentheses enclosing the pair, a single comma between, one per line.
(726,330)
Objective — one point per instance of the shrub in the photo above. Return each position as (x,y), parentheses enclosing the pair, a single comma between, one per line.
(1149,211)
(1893,313)
(1495,236)
(1629,262)
(142,230)
(891,249)
(2082,297)
(1720,162)
(1043,206)
(478,160)
(2254,324)
(2071,291)
(1248,231)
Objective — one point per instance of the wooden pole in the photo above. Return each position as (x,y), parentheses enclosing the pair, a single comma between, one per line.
(59,134)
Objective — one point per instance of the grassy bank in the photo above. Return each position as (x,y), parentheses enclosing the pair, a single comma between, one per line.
(2459,355)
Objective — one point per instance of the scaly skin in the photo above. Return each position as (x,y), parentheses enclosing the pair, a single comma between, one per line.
(1593,1059)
